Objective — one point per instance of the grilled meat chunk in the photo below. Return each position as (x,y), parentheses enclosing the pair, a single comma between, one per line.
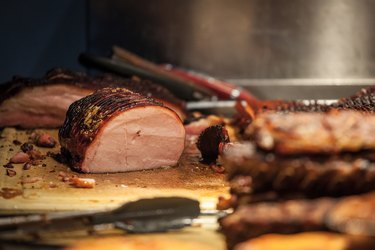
(252,171)
(210,141)
(317,133)
(287,217)
(116,130)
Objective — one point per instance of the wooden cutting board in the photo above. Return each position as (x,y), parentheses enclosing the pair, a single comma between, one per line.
(188,179)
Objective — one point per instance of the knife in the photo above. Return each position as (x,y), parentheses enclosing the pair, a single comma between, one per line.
(181,88)
(223,90)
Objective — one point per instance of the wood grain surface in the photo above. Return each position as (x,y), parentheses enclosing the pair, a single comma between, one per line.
(188,179)
(49,194)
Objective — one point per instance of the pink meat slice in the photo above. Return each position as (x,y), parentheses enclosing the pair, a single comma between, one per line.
(116,130)
(33,103)
(40,106)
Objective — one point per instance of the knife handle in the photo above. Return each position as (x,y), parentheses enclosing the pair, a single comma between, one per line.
(223,90)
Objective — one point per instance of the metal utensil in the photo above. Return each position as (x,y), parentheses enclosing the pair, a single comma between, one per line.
(142,216)
(182,89)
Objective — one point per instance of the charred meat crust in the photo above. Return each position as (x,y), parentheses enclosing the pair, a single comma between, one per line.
(86,117)
(64,76)
(209,142)
(304,175)
(363,100)
(293,106)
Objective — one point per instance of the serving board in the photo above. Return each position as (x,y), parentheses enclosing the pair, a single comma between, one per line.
(50,193)
(188,179)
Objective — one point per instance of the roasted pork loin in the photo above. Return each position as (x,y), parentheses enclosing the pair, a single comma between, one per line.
(32,103)
(116,130)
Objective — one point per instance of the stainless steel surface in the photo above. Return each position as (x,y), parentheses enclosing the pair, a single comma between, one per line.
(247,39)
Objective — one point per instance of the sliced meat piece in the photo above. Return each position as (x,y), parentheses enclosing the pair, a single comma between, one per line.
(32,103)
(318,133)
(304,241)
(287,217)
(354,215)
(116,130)
(252,171)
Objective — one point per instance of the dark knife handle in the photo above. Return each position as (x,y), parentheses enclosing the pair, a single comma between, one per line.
(180,89)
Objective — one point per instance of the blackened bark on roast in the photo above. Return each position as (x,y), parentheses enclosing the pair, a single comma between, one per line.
(305,175)
(86,116)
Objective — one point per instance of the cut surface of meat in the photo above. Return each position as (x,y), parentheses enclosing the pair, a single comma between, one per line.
(31,103)
(145,137)
(40,106)
(116,130)
(321,133)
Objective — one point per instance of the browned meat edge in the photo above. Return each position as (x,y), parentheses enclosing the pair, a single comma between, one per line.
(209,142)
(287,217)
(363,100)
(64,76)
(257,172)
(86,116)
(325,133)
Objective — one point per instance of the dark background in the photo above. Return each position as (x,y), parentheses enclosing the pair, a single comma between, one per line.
(37,35)
(252,40)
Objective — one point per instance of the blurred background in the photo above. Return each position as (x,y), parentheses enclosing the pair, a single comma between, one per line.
(253,43)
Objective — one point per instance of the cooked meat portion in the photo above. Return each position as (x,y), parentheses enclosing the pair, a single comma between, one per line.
(354,215)
(210,141)
(322,133)
(196,125)
(292,106)
(31,103)
(287,217)
(306,241)
(252,171)
(116,130)
(364,100)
